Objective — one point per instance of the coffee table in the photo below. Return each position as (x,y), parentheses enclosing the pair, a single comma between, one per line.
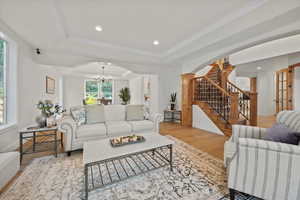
(104,164)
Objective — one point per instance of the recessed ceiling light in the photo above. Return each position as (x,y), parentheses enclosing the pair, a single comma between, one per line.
(258,68)
(109,63)
(98,28)
(156,42)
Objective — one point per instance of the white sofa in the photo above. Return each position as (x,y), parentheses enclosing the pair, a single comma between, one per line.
(115,125)
(9,166)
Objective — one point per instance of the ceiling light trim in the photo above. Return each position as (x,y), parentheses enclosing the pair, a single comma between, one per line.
(229,18)
(109,45)
(60,20)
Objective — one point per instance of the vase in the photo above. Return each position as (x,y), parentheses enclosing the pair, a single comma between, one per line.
(173,106)
(41,120)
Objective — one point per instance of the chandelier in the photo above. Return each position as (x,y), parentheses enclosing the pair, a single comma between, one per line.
(101,78)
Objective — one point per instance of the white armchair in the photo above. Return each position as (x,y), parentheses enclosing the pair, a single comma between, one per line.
(264,169)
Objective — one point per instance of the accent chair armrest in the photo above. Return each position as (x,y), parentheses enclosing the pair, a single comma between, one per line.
(238,132)
(265,169)
(241,131)
(269,146)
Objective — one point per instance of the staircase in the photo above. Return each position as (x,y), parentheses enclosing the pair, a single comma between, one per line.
(222,101)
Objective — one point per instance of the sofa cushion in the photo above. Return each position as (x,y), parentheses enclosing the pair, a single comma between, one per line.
(94,114)
(78,114)
(141,125)
(91,130)
(114,113)
(117,128)
(134,112)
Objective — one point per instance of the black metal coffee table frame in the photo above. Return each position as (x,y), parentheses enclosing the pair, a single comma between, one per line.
(136,165)
(33,134)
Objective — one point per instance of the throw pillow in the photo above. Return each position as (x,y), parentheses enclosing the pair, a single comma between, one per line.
(78,114)
(281,133)
(134,112)
(94,114)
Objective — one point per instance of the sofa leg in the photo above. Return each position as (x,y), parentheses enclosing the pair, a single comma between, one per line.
(231,193)
(69,153)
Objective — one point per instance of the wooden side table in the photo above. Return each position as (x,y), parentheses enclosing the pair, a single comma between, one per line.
(172,116)
(34,133)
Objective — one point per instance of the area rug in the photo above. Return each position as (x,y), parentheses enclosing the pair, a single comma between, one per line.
(196,175)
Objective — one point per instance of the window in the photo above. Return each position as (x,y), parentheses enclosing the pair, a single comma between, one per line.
(3,58)
(97,90)
(106,89)
(91,89)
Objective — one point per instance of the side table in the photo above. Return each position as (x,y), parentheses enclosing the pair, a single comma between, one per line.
(34,133)
(172,115)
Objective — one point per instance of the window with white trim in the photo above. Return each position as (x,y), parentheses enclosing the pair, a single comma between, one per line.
(3,63)
(98,90)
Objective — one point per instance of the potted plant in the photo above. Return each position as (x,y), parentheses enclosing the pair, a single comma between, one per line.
(125,95)
(173,100)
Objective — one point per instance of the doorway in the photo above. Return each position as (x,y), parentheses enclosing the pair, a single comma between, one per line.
(284,89)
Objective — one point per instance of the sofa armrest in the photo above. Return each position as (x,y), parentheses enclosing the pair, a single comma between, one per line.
(241,131)
(68,127)
(156,118)
(265,169)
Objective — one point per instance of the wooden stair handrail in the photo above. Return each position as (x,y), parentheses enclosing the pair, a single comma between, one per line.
(213,83)
(237,88)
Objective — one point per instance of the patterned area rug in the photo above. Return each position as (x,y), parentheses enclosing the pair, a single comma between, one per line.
(196,175)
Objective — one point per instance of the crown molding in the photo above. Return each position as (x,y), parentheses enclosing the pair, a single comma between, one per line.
(165,57)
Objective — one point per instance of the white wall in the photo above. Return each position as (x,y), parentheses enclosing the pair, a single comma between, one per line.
(169,82)
(243,83)
(202,121)
(30,87)
(136,86)
(73,87)
(204,71)
(266,86)
(232,76)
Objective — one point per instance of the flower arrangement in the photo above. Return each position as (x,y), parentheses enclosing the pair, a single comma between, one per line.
(49,112)
(48,108)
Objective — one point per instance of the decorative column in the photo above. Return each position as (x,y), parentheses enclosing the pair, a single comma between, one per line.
(253,108)
(234,108)
(187,99)
(253,84)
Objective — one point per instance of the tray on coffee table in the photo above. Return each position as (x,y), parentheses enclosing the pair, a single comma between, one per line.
(125,140)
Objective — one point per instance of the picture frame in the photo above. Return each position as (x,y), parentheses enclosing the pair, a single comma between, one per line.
(50,85)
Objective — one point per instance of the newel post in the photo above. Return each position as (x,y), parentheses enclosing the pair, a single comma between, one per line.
(234,108)
(253,108)
(187,94)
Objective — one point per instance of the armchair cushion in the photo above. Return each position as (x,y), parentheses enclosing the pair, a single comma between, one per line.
(281,133)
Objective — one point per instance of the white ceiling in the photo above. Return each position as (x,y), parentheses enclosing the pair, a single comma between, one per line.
(64,30)
(130,24)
